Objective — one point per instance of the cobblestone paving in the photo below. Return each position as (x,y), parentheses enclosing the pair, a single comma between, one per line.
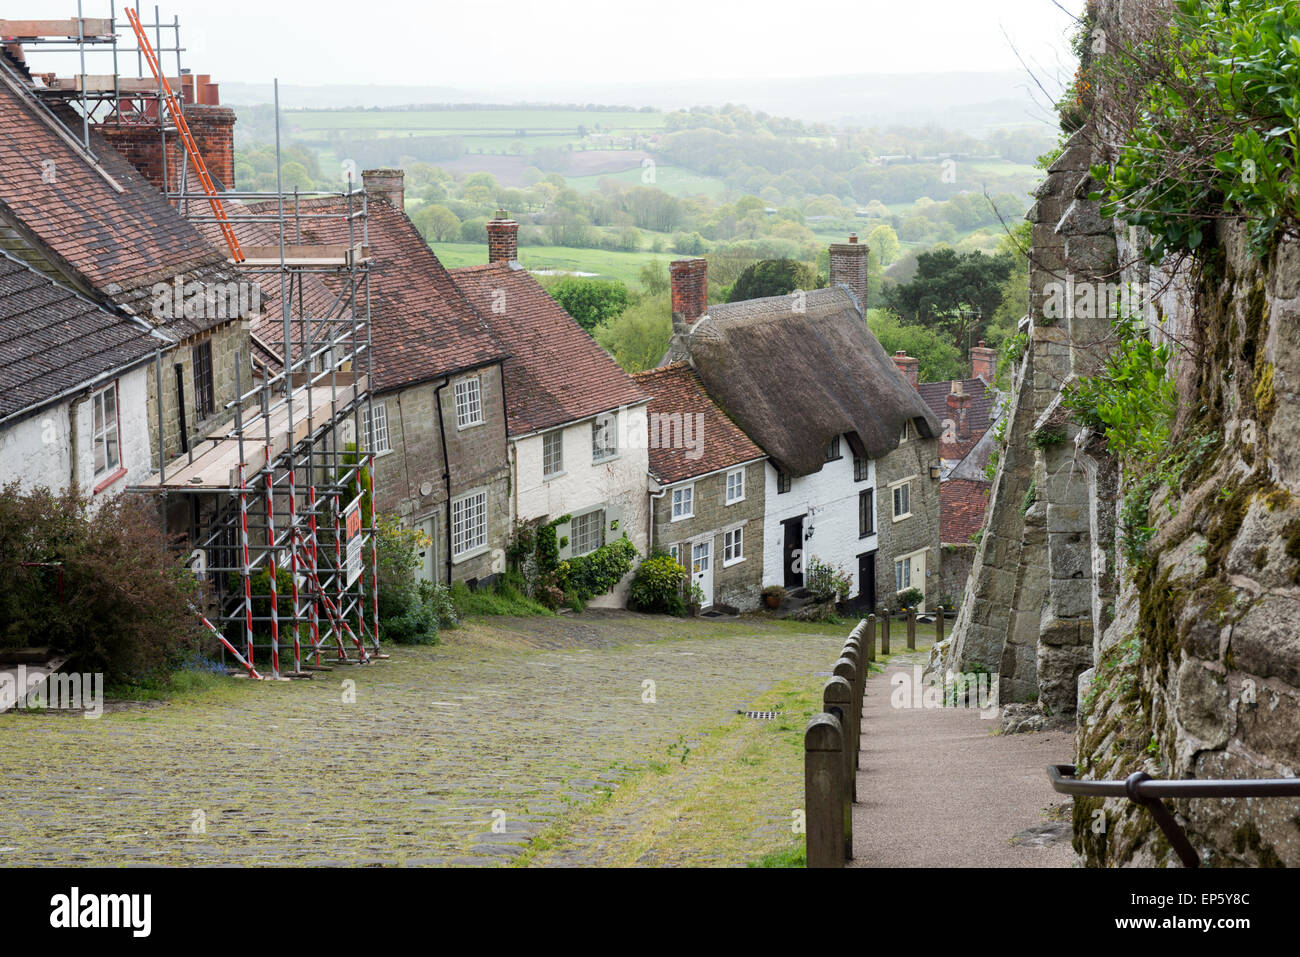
(530,717)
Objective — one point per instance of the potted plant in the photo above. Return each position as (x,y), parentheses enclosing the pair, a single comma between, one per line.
(773,595)
(694,598)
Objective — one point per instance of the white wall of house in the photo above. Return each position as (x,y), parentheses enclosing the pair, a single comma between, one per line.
(617,484)
(828,500)
(38,450)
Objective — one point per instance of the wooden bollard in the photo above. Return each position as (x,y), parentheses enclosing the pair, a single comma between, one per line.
(837,699)
(847,668)
(884,633)
(823,792)
(938,625)
(869,638)
(911,629)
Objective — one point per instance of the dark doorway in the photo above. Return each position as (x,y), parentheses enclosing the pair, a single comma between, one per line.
(865,602)
(794,552)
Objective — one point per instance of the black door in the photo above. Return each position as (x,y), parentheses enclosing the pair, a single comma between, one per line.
(793,552)
(866,600)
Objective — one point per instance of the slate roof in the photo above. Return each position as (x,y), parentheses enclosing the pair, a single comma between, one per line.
(961,509)
(53,340)
(423,326)
(980,416)
(556,372)
(795,373)
(117,244)
(676,389)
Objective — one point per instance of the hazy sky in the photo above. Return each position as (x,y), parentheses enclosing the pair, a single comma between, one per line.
(511,43)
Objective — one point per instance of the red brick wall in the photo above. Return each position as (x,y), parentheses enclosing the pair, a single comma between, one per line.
(910,367)
(214,134)
(984,362)
(690,282)
(503,240)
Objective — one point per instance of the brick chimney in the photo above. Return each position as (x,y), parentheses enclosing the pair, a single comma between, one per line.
(503,238)
(959,409)
(690,282)
(910,367)
(984,362)
(385,186)
(214,134)
(849,267)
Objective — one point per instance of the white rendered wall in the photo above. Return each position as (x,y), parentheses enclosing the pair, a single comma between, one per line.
(617,482)
(829,500)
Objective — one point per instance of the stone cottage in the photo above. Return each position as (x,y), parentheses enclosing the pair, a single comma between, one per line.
(852,475)
(708,489)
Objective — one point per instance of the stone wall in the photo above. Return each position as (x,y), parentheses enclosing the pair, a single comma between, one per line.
(912,459)
(1184,663)
(738,585)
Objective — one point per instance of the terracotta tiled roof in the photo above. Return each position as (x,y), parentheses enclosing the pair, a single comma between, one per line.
(116,243)
(961,509)
(676,389)
(980,417)
(556,372)
(423,327)
(52,340)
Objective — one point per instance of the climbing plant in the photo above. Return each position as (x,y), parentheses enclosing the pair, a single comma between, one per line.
(1209,119)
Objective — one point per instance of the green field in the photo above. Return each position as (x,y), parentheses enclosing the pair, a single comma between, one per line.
(495,124)
(604,265)
(671,179)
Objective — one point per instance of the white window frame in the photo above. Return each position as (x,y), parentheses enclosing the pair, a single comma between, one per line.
(738,475)
(675,551)
(469,402)
(701,556)
(893,498)
(683,502)
(468,539)
(733,547)
(103,429)
(906,435)
(604,427)
(556,436)
(599,517)
(902,574)
(376,431)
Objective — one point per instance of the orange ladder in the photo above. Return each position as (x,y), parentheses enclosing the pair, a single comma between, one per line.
(214,200)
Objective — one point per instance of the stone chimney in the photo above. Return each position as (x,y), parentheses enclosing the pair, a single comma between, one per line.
(984,362)
(690,282)
(849,267)
(385,186)
(910,367)
(214,134)
(503,238)
(959,409)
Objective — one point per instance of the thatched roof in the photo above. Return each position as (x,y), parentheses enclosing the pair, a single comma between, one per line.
(796,373)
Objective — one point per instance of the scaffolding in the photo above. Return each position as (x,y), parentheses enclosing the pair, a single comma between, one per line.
(279,496)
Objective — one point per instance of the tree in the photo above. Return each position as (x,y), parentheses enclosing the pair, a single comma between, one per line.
(940,361)
(654,278)
(591,302)
(438,223)
(639,338)
(884,244)
(953,293)
(772,277)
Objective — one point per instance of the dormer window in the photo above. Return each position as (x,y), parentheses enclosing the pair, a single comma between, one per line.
(833,450)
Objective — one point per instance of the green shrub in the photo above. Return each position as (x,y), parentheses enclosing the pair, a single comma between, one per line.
(591,302)
(503,599)
(911,598)
(657,586)
(600,571)
(826,582)
(125,608)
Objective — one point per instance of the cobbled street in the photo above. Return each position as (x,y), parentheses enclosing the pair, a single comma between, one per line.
(520,721)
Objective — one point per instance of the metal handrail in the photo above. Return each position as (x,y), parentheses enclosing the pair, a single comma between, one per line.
(1140,788)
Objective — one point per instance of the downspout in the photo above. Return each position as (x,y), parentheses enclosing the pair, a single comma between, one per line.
(650,519)
(446,467)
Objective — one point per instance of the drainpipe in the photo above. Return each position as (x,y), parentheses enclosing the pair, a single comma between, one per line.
(446,467)
(650,519)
